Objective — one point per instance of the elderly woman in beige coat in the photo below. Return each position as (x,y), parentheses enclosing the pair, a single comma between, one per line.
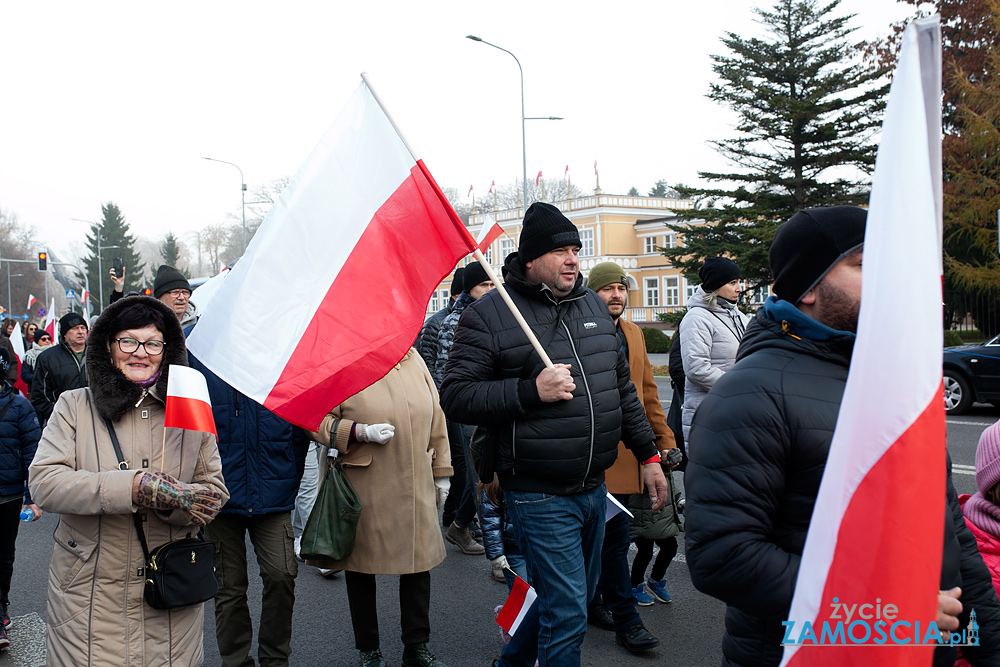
(96,611)
(393,444)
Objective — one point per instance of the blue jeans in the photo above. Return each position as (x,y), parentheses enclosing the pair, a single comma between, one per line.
(560,538)
(614,589)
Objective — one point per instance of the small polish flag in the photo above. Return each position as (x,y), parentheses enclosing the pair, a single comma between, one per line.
(50,320)
(84,297)
(470,191)
(492,183)
(188,403)
(567,170)
(31,302)
(521,597)
(538,178)
(488,233)
(18,344)
(595,167)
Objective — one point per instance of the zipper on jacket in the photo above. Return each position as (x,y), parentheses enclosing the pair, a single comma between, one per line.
(513,447)
(236,401)
(590,403)
(145,393)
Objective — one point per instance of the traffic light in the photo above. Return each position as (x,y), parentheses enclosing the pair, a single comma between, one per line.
(147,292)
(43,261)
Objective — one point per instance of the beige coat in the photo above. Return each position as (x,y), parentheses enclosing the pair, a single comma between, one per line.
(96,612)
(398,532)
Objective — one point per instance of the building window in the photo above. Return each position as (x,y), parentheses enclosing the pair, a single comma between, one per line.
(688,290)
(587,239)
(489,255)
(670,240)
(671,291)
(650,245)
(434,307)
(506,247)
(652,291)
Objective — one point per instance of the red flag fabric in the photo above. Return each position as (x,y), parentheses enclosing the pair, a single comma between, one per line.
(538,178)
(519,601)
(189,405)
(50,321)
(361,205)
(18,344)
(876,532)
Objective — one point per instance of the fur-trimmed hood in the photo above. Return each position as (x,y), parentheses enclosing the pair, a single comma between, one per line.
(114,394)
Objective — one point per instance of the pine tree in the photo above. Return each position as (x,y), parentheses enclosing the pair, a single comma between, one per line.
(112,231)
(805,112)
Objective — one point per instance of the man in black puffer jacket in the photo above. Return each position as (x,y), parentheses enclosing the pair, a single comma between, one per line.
(760,440)
(558,428)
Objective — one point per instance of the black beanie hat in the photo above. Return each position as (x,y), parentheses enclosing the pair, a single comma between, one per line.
(474,274)
(168,278)
(68,321)
(716,272)
(456,282)
(545,228)
(808,245)
(39,332)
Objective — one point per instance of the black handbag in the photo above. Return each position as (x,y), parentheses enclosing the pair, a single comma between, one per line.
(179,573)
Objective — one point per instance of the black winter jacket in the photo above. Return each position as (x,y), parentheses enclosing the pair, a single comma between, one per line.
(563,447)
(758,447)
(56,371)
(19,433)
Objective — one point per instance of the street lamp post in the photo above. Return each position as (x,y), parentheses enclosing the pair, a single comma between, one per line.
(524,149)
(243,198)
(16,275)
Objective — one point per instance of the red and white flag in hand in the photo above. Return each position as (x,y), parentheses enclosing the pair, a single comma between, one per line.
(18,344)
(188,404)
(361,203)
(876,532)
(517,605)
(31,303)
(488,233)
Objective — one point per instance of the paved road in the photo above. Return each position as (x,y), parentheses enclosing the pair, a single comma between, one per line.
(462,600)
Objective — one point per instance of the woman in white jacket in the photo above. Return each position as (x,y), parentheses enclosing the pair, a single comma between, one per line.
(710,332)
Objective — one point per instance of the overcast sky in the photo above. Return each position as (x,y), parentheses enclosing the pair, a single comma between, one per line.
(118,101)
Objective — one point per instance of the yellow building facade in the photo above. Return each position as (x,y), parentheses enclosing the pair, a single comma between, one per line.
(616,228)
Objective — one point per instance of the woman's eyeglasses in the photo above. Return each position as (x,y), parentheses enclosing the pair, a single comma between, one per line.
(154,348)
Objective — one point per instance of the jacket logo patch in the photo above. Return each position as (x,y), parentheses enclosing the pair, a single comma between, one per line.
(590,325)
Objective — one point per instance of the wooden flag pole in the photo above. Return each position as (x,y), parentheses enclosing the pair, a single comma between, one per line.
(513,309)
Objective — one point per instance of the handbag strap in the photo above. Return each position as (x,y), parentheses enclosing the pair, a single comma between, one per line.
(123,465)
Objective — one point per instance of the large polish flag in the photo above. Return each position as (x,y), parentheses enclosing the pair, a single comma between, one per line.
(347,259)
(877,528)
(188,404)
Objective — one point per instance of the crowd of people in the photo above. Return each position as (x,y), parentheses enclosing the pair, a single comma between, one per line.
(476,439)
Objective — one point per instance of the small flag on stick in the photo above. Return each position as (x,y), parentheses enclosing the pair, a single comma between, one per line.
(188,403)
(517,605)
(488,233)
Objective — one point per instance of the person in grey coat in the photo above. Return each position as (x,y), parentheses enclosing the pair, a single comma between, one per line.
(710,332)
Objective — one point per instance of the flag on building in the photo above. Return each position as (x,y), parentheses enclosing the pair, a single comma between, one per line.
(488,233)
(538,179)
(31,303)
(885,475)
(17,342)
(492,185)
(470,191)
(189,405)
(567,171)
(519,601)
(361,206)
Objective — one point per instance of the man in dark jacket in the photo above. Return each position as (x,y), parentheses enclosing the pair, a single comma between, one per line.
(60,368)
(263,457)
(557,428)
(759,444)
(427,339)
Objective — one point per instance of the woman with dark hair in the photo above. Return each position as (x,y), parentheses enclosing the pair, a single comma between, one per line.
(172,478)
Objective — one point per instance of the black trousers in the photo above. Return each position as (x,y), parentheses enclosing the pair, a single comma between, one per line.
(10,518)
(414,608)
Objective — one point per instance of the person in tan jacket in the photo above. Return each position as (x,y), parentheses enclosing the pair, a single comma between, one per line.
(96,612)
(614,606)
(393,443)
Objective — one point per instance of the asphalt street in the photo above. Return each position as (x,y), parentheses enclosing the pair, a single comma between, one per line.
(463,597)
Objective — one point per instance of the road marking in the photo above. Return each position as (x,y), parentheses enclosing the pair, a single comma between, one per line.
(963,469)
(27,642)
(968,423)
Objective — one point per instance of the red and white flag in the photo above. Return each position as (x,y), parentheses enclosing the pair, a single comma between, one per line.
(538,178)
(189,405)
(31,303)
(83,297)
(360,205)
(17,342)
(877,527)
(567,171)
(595,167)
(50,321)
(469,193)
(492,185)
(521,597)
(488,233)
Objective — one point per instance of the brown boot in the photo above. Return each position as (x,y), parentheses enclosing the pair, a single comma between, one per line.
(462,538)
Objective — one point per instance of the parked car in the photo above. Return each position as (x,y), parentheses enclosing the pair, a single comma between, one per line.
(971,374)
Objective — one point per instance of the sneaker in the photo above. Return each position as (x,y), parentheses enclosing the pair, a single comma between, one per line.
(497,572)
(420,656)
(4,642)
(372,658)
(657,590)
(5,616)
(461,538)
(642,598)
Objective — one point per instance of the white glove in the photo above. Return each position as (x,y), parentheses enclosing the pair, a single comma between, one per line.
(377,433)
(500,560)
(443,486)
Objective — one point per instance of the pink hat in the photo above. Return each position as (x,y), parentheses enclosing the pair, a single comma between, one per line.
(988,459)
